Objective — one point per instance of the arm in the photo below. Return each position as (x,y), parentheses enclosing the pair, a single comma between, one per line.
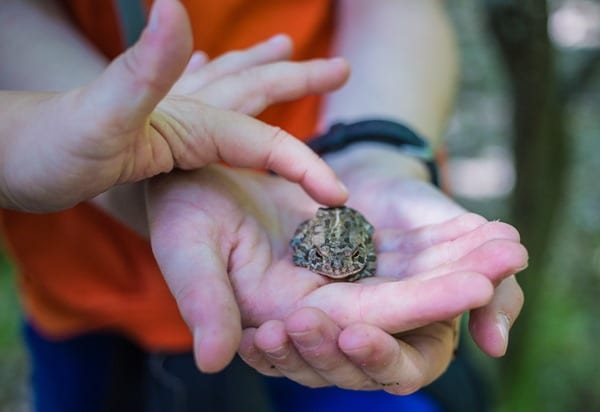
(53,48)
(120,128)
(404,68)
(404,64)
(404,61)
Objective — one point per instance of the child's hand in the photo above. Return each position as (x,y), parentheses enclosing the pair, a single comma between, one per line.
(60,149)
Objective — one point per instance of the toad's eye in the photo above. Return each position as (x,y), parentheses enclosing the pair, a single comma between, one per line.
(355,252)
(318,253)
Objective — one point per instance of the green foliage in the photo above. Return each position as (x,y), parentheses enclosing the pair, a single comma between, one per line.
(13,368)
(9,318)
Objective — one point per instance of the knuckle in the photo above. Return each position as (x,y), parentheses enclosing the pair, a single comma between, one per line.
(322,363)
(145,75)
(401,388)
(277,138)
(452,252)
(277,135)
(360,382)
(404,384)
(131,61)
(187,298)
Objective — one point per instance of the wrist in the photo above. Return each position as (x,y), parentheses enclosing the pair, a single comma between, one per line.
(365,140)
(375,159)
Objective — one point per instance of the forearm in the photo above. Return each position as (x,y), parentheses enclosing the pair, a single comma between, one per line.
(16,129)
(57,58)
(41,50)
(404,64)
(37,172)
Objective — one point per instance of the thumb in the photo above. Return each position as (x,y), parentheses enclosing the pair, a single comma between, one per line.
(138,79)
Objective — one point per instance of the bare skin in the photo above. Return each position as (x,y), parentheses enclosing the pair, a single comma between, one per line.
(123,127)
(246,259)
(368,353)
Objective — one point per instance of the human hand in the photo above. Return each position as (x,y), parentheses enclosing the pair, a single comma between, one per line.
(236,227)
(405,203)
(310,348)
(121,128)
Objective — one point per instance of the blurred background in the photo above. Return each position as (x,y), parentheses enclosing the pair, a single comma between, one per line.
(524,148)
(524,144)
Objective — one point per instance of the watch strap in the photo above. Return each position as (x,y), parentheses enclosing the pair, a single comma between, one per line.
(342,135)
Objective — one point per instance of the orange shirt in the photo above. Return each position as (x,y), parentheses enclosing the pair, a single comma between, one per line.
(80,270)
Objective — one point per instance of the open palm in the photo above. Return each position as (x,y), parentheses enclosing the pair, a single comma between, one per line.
(221,239)
(381,189)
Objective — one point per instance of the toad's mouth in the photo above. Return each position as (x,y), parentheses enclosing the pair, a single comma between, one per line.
(338,274)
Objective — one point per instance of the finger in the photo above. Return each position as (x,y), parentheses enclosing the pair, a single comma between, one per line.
(253,90)
(402,305)
(207,304)
(197,60)
(400,366)
(276,48)
(253,356)
(315,337)
(490,325)
(496,259)
(452,250)
(393,240)
(213,135)
(271,338)
(137,80)
(435,346)
(196,272)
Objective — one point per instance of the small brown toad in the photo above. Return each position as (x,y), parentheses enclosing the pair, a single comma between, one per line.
(338,243)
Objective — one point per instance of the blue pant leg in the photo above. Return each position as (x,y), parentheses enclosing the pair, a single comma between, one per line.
(99,372)
(288,396)
(71,375)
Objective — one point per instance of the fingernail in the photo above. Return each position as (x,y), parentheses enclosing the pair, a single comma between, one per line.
(343,188)
(251,354)
(198,57)
(278,39)
(153,23)
(278,353)
(197,60)
(359,353)
(503,325)
(340,61)
(307,340)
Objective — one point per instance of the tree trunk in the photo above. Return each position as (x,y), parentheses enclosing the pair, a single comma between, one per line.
(540,148)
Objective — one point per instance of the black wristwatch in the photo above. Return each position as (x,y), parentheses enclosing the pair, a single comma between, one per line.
(341,135)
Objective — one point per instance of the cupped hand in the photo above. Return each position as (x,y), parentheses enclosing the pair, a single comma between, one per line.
(405,203)
(123,127)
(221,236)
(310,348)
